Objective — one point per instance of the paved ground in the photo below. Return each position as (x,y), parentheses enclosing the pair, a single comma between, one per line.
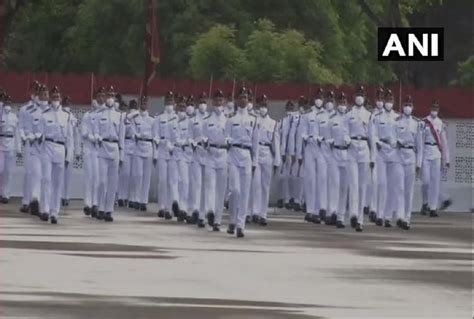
(143,267)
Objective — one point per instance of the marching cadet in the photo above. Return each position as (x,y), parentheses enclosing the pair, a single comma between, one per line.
(109,130)
(199,160)
(296,181)
(142,129)
(435,156)
(23,115)
(126,188)
(215,168)
(164,129)
(242,135)
(409,152)
(190,109)
(76,146)
(183,154)
(34,137)
(229,106)
(384,153)
(268,160)
(9,146)
(339,144)
(359,157)
(89,151)
(57,138)
(306,153)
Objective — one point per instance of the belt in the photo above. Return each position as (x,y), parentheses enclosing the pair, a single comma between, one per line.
(383,140)
(266,144)
(109,140)
(145,139)
(245,147)
(51,140)
(6,135)
(200,144)
(410,147)
(128,138)
(359,138)
(433,144)
(341,147)
(218,146)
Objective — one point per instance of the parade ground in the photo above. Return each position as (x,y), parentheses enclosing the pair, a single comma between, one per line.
(140,266)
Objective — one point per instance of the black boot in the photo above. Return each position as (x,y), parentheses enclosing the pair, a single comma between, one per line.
(379,222)
(216,227)
(444,205)
(67,202)
(201,223)
(86,210)
(240,233)
(303,208)
(63,202)
(388,224)
(340,224)
(101,215)
(44,217)
(210,218)
(399,223)
(316,219)
(108,217)
(280,203)
(333,219)
(297,207)
(322,214)
(433,213)
(255,219)
(182,216)
(24,208)
(143,207)
(168,215)
(353,221)
(359,228)
(262,222)
(195,217)
(308,218)
(161,213)
(366,210)
(247,219)
(372,217)
(405,226)
(120,203)
(34,208)
(231,229)
(131,204)
(54,220)
(424,209)
(94,211)
(175,209)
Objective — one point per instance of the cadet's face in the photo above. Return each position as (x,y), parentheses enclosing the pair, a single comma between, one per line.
(56,97)
(243,101)
(144,106)
(181,107)
(100,98)
(44,96)
(218,101)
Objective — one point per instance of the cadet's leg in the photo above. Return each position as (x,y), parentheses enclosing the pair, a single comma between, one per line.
(309,179)
(138,165)
(46,187)
(95,180)
(363,176)
(221,182)
(333,186)
(425,181)
(266,174)
(196,185)
(102,187)
(162,184)
(285,180)
(245,180)
(397,181)
(322,178)
(26,176)
(88,181)
(124,173)
(435,180)
(9,164)
(234,187)
(173,193)
(183,185)
(210,193)
(256,198)
(353,178)
(113,184)
(343,189)
(3,173)
(382,188)
(145,180)
(409,185)
(57,178)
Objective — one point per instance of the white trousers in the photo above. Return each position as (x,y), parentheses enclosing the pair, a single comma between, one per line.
(262,180)
(322,182)
(215,180)
(371,193)
(91,180)
(431,176)
(408,171)
(389,189)
(358,176)
(340,189)
(183,185)
(167,183)
(126,189)
(67,181)
(296,183)
(284,181)
(35,177)
(332,176)
(7,162)
(52,181)
(108,182)
(310,189)
(239,184)
(27,175)
(196,199)
(141,177)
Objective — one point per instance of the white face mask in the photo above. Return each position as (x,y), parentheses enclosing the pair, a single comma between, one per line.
(55,104)
(434,113)
(110,101)
(379,104)
(181,115)
(407,109)
(230,105)
(43,103)
(116,106)
(301,109)
(388,106)
(7,108)
(329,106)
(263,110)
(202,107)
(67,109)
(359,100)
(95,104)
(169,108)
(250,106)
(36,99)
(190,110)
(318,103)
(342,108)
(219,109)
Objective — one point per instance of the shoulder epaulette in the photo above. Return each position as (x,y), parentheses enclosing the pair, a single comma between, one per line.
(172,119)
(47,109)
(30,107)
(333,115)
(416,118)
(377,114)
(398,118)
(32,110)
(67,112)
(205,118)
(253,115)
(319,112)
(101,110)
(134,115)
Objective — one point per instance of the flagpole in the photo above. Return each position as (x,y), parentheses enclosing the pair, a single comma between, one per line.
(210,84)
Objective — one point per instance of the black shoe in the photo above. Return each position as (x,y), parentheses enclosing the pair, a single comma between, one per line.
(168,215)
(444,205)
(86,210)
(424,209)
(308,218)
(333,219)
(372,217)
(322,214)
(303,208)
(328,221)
(297,207)
(316,219)
(34,208)
(182,216)
(405,226)
(120,203)
(292,201)
(63,202)
(54,220)
(240,233)
(143,207)
(358,227)
(24,208)
(131,204)
(161,213)
(255,219)
(340,224)
(4,200)
(280,203)
(400,222)
(108,217)
(136,205)
(262,222)
(94,212)
(175,209)
(353,221)
(101,215)
(44,217)
(379,222)
(247,219)
(433,213)
(216,227)
(288,206)
(231,229)
(366,210)
(194,217)
(67,202)
(188,219)
(388,224)
(201,223)
(226,204)
(210,218)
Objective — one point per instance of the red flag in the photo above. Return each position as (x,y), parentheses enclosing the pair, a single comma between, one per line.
(152,46)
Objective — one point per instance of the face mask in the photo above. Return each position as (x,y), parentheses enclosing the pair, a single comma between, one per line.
(36,100)
(116,106)
(169,108)
(318,103)
(379,104)
(263,110)
(219,109)
(359,100)
(202,107)
(342,108)
(95,104)
(388,106)
(407,110)
(7,108)
(250,106)
(190,110)
(434,113)
(67,109)
(329,106)
(110,101)
(55,104)
(301,109)
(230,105)
(43,103)
(181,115)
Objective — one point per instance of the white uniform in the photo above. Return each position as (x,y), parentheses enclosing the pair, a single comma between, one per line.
(296,180)
(127,187)
(242,136)
(164,132)
(142,162)
(23,115)
(357,121)
(409,153)
(109,131)
(76,151)
(284,177)
(197,166)
(215,167)
(371,193)
(435,153)
(9,146)
(91,161)
(57,148)
(384,145)
(268,157)
(183,154)
(340,142)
